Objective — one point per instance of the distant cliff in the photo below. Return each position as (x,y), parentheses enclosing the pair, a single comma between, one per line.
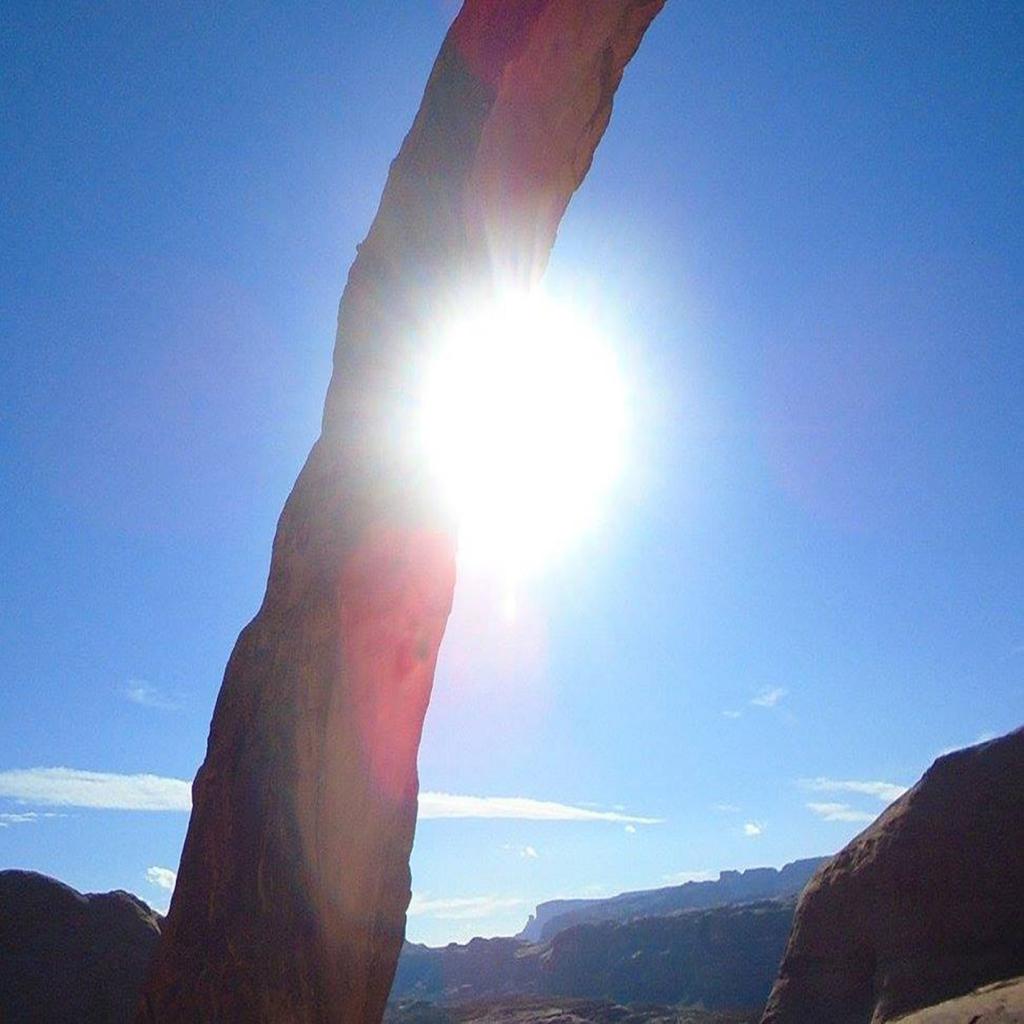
(720,958)
(731,887)
(925,906)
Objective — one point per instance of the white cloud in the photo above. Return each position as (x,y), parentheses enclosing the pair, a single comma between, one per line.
(453,805)
(840,812)
(71,787)
(730,713)
(752,829)
(460,908)
(682,877)
(24,818)
(631,829)
(769,697)
(163,878)
(140,692)
(726,808)
(884,791)
(529,852)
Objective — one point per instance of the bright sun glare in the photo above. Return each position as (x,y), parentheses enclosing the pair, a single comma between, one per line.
(524,424)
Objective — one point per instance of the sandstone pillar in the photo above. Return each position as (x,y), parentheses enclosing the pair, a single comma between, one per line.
(294,880)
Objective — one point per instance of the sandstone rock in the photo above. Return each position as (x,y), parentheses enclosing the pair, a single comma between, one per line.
(722,958)
(1001,1003)
(557,1011)
(730,887)
(294,880)
(69,958)
(924,905)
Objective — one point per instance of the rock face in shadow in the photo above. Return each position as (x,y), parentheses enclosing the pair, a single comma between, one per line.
(925,905)
(730,887)
(721,958)
(558,1011)
(69,958)
(294,880)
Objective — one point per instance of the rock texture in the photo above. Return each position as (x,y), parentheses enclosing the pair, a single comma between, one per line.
(294,880)
(731,887)
(1001,1003)
(925,905)
(718,959)
(558,1011)
(69,958)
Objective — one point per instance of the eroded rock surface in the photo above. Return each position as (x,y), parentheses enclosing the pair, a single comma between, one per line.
(925,905)
(559,1011)
(721,958)
(294,880)
(1001,1003)
(70,958)
(730,887)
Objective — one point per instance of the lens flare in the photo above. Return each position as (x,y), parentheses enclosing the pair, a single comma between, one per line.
(523,421)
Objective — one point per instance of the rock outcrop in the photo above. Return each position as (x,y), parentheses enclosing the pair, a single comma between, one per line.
(69,958)
(294,879)
(720,959)
(558,1011)
(1000,1003)
(925,905)
(730,887)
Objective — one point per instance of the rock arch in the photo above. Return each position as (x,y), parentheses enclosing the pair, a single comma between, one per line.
(294,880)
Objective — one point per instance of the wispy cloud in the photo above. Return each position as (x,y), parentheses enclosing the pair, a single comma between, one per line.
(769,697)
(731,713)
(72,787)
(453,805)
(840,812)
(631,830)
(460,908)
(24,818)
(528,852)
(140,692)
(726,808)
(753,829)
(884,791)
(162,878)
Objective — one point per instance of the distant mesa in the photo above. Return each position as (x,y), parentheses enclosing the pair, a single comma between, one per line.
(731,887)
(719,958)
(557,1011)
(925,906)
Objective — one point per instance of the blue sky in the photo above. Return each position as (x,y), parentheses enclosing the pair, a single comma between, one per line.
(804,227)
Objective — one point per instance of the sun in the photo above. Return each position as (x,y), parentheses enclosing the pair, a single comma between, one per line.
(523,423)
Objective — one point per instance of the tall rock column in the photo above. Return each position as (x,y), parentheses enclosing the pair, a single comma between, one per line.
(294,880)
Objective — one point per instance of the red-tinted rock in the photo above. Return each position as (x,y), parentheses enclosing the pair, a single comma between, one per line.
(294,881)
(69,958)
(925,905)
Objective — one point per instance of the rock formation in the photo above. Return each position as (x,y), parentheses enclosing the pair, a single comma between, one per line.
(730,887)
(560,1011)
(999,1003)
(68,958)
(722,958)
(294,880)
(925,905)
